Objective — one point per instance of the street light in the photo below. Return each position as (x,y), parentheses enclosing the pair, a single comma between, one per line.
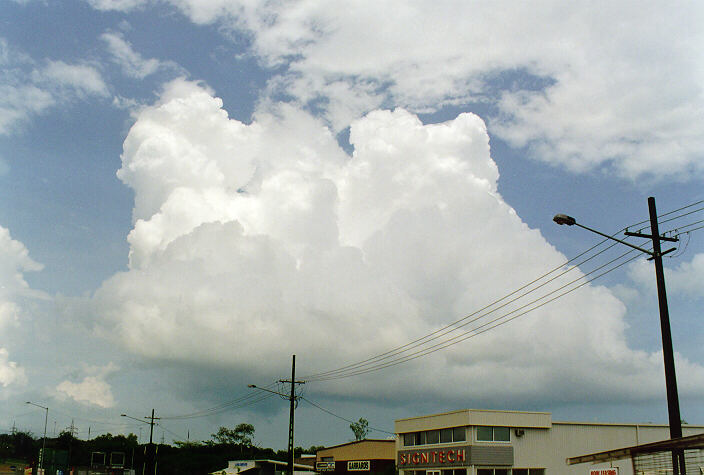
(673,404)
(293,399)
(151,432)
(46,417)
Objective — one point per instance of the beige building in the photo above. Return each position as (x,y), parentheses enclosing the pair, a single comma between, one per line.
(485,442)
(363,457)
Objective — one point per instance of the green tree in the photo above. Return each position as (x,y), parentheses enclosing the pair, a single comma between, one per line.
(360,429)
(240,435)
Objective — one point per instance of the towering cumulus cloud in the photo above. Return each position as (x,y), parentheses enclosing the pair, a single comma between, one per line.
(14,261)
(252,242)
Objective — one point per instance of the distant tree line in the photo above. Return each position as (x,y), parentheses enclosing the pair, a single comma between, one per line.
(181,458)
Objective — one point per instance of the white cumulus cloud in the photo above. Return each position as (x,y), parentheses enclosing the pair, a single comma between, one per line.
(92,389)
(252,242)
(10,372)
(686,278)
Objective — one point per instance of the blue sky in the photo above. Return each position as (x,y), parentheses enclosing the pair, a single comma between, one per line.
(192,191)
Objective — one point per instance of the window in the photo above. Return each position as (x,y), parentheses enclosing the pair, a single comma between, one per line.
(502,434)
(432,437)
(485,433)
(445,436)
(442,436)
(494,471)
(528,471)
(457,471)
(493,434)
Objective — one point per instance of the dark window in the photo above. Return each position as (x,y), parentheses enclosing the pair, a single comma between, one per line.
(485,471)
(500,471)
(493,434)
(458,434)
(537,471)
(460,471)
(520,471)
(432,436)
(485,433)
(445,436)
(502,434)
(420,438)
(409,439)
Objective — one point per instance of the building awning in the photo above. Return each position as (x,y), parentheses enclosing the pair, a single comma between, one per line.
(683,443)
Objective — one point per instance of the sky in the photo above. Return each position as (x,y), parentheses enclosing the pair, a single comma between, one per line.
(194,191)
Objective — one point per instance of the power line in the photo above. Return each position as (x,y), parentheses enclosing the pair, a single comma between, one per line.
(377,362)
(498,321)
(244,401)
(458,324)
(344,419)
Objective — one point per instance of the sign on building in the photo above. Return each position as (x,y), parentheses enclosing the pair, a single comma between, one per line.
(604,471)
(326,466)
(358,466)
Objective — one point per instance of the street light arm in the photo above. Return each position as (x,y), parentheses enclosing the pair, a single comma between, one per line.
(254,386)
(570,221)
(46,419)
(134,419)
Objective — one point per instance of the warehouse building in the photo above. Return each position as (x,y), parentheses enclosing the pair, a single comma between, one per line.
(486,442)
(363,457)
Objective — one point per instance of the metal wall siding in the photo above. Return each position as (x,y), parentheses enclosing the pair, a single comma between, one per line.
(491,455)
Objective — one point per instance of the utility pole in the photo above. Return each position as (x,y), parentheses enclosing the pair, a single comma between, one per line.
(673,401)
(150,453)
(673,404)
(293,400)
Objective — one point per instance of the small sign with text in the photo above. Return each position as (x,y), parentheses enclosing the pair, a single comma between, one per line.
(604,471)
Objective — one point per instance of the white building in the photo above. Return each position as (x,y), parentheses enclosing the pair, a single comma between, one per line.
(485,442)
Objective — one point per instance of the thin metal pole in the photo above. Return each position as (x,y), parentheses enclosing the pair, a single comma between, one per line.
(673,404)
(152,455)
(292,400)
(46,417)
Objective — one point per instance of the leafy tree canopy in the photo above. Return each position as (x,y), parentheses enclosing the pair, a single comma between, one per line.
(360,429)
(240,435)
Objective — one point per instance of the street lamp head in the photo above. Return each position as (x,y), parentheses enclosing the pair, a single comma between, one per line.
(564,219)
(251,385)
(123,415)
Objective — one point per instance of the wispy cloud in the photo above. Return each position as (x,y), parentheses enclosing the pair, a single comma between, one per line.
(79,77)
(29,87)
(577,86)
(131,62)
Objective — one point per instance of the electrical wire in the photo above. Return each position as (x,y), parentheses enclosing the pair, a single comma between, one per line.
(468,319)
(179,437)
(498,321)
(342,418)
(400,354)
(376,362)
(244,401)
